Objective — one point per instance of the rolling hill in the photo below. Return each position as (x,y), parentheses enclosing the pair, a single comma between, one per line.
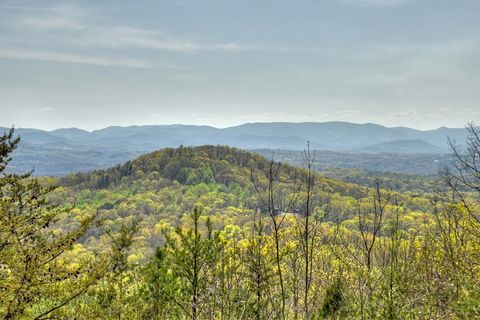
(62,151)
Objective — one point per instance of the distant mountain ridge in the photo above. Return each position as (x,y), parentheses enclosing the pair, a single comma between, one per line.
(41,149)
(334,136)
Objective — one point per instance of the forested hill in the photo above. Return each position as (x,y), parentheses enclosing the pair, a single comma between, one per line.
(190,166)
(162,188)
(186,165)
(222,172)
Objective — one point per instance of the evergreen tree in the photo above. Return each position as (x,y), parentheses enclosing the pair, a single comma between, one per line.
(37,277)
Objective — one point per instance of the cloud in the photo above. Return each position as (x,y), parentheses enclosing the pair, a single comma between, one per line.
(27,8)
(118,37)
(347,113)
(72,58)
(53,23)
(406,114)
(114,37)
(71,27)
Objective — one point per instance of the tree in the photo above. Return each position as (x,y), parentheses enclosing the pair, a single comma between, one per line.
(43,265)
(458,222)
(276,207)
(189,256)
(356,248)
(258,275)
(464,174)
(308,224)
(334,297)
(35,279)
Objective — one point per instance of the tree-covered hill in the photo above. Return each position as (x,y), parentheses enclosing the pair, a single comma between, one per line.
(165,185)
(227,167)
(186,165)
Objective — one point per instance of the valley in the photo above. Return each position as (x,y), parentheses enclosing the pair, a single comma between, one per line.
(339,144)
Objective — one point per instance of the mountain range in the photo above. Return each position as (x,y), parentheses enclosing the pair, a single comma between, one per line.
(61,151)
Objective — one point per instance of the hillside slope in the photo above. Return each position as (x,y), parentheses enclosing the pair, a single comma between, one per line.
(160,189)
(228,169)
(190,166)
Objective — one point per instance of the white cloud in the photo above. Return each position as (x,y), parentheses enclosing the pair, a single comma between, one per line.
(406,114)
(115,37)
(72,28)
(72,58)
(27,8)
(133,37)
(347,113)
(53,23)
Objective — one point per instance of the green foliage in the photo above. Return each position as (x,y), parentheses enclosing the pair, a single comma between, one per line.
(333,301)
(35,279)
(194,176)
(219,233)
(43,267)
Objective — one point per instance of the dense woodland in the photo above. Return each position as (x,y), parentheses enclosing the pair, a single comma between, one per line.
(214,232)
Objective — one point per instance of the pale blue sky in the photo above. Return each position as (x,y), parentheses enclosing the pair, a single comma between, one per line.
(92,64)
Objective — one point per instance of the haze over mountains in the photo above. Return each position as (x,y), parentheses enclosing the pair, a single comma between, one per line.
(62,151)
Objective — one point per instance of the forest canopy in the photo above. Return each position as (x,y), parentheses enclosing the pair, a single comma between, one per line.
(215,232)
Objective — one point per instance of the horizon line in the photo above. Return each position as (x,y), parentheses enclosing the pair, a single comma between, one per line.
(227,127)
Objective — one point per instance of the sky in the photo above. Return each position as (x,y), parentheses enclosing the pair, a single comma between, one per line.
(93,64)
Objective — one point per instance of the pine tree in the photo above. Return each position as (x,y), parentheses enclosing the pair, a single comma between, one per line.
(35,278)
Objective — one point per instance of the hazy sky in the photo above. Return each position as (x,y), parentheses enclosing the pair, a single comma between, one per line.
(92,64)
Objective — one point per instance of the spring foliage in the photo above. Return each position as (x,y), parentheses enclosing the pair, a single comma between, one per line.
(219,233)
